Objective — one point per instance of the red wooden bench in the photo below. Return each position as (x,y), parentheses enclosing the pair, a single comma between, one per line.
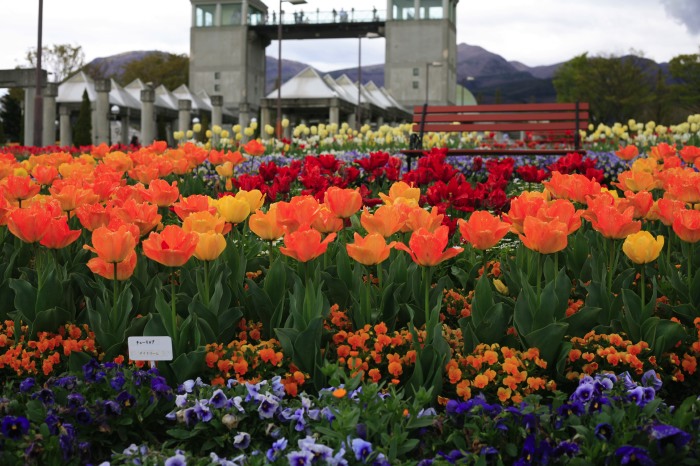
(564,120)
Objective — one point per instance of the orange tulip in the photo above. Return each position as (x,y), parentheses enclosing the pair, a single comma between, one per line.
(44,174)
(662,151)
(521,207)
(427,249)
(386,221)
(172,247)
(421,218)
(343,202)
(163,194)
(210,246)
(574,187)
(112,245)
(666,210)
(544,237)
(690,154)
(29,224)
(254,148)
(125,268)
(202,222)
(637,181)
(402,190)
(641,201)
(71,196)
(562,210)
(301,210)
(92,216)
(326,222)
(369,250)
(483,230)
(607,220)
(19,188)
(686,225)
(627,152)
(265,225)
(59,235)
(5,209)
(145,173)
(145,216)
(683,185)
(305,244)
(193,203)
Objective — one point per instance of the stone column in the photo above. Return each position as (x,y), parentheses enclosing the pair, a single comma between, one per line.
(48,137)
(64,123)
(184,107)
(265,120)
(351,119)
(125,126)
(380,121)
(334,113)
(244,118)
(102,87)
(148,121)
(29,93)
(217,103)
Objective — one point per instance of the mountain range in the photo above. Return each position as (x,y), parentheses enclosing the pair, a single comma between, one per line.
(489,76)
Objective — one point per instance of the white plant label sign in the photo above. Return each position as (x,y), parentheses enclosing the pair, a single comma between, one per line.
(150,348)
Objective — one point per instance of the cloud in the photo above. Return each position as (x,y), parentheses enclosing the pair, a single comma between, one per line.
(686,12)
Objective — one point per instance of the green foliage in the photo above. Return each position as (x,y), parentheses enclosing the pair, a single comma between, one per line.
(82,131)
(11,116)
(168,69)
(686,69)
(60,60)
(617,88)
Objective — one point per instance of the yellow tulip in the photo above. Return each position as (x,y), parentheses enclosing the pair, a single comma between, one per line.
(233,210)
(210,246)
(642,248)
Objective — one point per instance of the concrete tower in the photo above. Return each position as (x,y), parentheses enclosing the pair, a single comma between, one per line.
(421,51)
(227,58)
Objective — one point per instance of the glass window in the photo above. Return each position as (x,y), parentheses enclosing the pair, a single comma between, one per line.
(416,71)
(255,16)
(231,14)
(415,84)
(431,9)
(217,75)
(216,88)
(403,9)
(204,16)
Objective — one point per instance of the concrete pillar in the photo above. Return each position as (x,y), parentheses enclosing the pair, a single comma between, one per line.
(217,103)
(265,119)
(244,13)
(380,121)
(244,118)
(64,124)
(102,87)
(351,120)
(48,136)
(125,126)
(169,133)
(217,15)
(148,120)
(389,10)
(29,93)
(93,123)
(184,107)
(334,113)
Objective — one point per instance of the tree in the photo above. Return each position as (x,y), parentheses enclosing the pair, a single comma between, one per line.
(82,132)
(617,88)
(60,60)
(686,69)
(158,68)
(11,115)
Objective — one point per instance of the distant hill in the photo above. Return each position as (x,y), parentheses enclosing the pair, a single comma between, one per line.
(489,76)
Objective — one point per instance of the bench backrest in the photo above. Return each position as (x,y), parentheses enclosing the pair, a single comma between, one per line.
(555,118)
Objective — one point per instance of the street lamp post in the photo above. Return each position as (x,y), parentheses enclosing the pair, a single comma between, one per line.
(114,110)
(38,101)
(278,124)
(358,112)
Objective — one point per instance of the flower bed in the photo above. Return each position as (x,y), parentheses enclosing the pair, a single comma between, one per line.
(487,282)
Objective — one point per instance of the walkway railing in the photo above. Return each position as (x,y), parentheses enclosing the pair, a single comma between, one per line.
(318,17)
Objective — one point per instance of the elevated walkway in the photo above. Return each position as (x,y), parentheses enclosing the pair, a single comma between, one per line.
(321,25)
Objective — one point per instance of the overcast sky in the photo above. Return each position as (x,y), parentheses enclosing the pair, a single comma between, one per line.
(534,32)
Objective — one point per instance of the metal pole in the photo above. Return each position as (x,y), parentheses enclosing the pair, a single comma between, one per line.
(38,102)
(427,81)
(278,125)
(359,82)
